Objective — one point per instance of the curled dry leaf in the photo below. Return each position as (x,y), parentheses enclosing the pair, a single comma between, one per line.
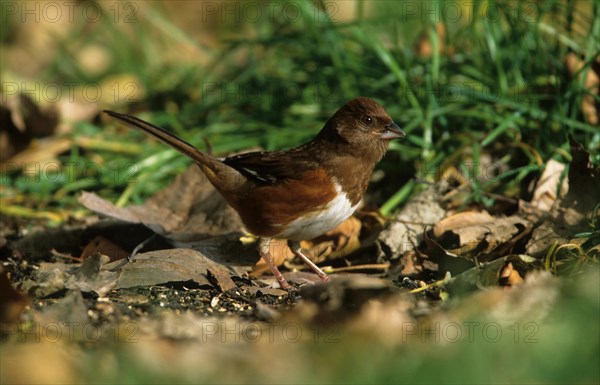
(509,276)
(336,243)
(158,219)
(479,235)
(576,210)
(460,221)
(545,193)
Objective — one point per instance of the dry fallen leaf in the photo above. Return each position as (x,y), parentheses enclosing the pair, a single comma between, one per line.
(221,277)
(575,211)
(545,194)
(336,243)
(509,276)
(163,266)
(460,221)
(105,246)
(41,155)
(479,235)
(186,212)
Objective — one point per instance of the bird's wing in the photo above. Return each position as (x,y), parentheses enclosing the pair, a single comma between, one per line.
(270,167)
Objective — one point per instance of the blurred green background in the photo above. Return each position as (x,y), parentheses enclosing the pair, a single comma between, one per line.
(484,89)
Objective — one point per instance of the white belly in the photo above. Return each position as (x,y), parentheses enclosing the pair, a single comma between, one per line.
(319,221)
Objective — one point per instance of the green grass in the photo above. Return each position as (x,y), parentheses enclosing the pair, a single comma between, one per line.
(501,83)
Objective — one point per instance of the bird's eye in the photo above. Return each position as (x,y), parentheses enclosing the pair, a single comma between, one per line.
(367,120)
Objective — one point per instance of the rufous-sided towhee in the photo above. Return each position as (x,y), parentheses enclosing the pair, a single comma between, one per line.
(301,193)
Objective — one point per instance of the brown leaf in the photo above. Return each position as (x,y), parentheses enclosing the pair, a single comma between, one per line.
(480,235)
(410,264)
(49,279)
(461,220)
(103,245)
(509,276)
(222,278)
(42,154)
(574,212)
(186,212)
(545,194)
(163,266)
(336,243)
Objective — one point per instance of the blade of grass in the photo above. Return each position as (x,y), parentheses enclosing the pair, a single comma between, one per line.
(398,198)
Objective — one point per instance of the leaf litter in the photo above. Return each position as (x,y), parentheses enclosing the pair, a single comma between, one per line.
(201,283)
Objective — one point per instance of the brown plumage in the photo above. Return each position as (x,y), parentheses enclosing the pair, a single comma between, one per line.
(302,192)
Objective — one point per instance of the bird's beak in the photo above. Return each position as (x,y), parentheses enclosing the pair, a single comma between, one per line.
(392,131)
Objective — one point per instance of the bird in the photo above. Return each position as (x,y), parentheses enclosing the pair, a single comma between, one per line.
(299,193)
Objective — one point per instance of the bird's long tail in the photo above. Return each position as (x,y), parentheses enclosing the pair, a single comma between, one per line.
(222,176)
